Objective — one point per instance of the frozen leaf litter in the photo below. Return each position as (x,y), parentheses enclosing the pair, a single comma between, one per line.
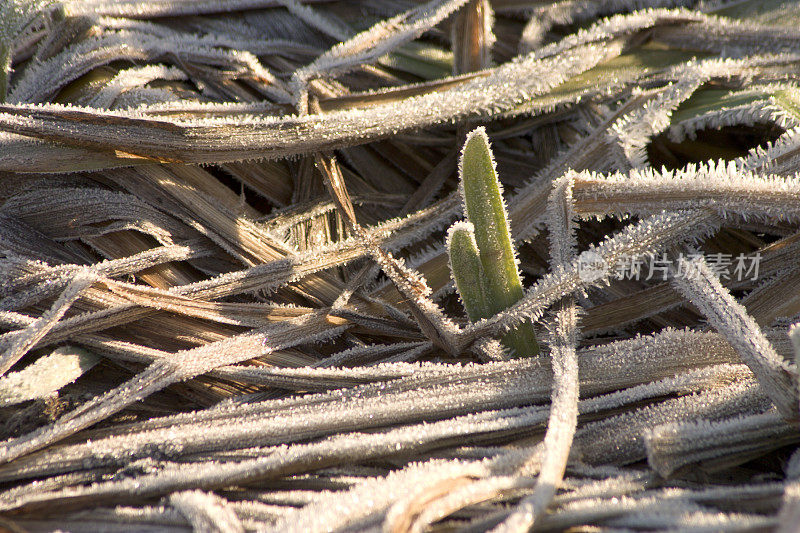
(246,283)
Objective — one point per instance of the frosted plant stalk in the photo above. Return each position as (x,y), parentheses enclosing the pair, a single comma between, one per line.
(702,287)
(206,511)
(729,441)
(46,375)
(26,339)
(720,187)
(484,253)
(564,339)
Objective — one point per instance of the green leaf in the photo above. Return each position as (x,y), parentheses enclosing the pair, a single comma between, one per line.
(427,61)
(708,100)
(465,264)
(486,210)
(777,12)
(789,100)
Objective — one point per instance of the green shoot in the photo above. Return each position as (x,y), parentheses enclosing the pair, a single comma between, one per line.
(493,283)
(465,264)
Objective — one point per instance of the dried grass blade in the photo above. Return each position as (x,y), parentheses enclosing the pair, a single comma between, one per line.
(702,287)
(180,367)
(719,34)
(46,375)
(563,418)
(781,157)
(26,339)
(721,187)
(167,8)
(472,37)
(334,182)
(716,444)
(206,511)
(213,140)
(619,439)
(625,372)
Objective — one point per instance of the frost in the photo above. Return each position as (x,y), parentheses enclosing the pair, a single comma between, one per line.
(16,345)
(719,187)
(702,287)
(637,239)
(369,45)
(674,445)
(45,376)
(131,78)
(242,207)
(563,419)
(201,141)
(790,510)
(206,512)
(632,132)
(781,157)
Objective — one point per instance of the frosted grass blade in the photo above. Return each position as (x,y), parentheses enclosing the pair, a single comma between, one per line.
(563,419)
(45,376)
(702,287)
